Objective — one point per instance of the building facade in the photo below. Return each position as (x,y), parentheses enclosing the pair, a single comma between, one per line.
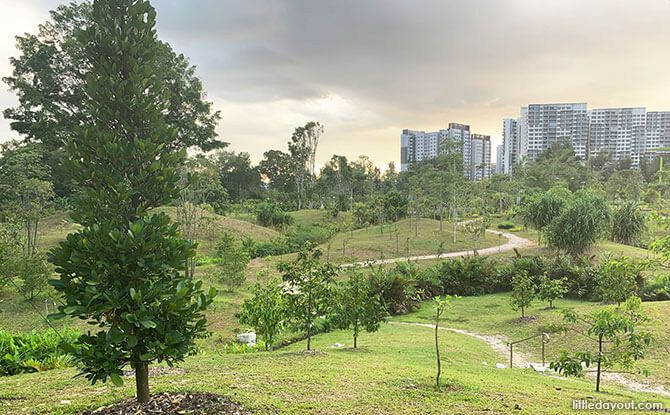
(619,131)
(476,148)
(511,146)
(546,124)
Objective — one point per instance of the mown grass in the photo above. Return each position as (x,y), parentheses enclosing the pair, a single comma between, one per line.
(392,374)
(493,315)
(401,239)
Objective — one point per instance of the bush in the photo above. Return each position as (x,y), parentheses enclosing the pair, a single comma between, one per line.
(658,289)
(506,225)
(395,289)
(469,276)
(270,214)
(34,352)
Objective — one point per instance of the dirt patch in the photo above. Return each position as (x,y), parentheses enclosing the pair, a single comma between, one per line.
(358,349)
(173,403)
(526,319)
(157,371)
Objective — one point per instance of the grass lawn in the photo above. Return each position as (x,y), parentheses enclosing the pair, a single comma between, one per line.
(372,243)
(393,374)
(492,315)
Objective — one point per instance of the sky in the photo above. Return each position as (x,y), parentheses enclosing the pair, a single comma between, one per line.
(366,69)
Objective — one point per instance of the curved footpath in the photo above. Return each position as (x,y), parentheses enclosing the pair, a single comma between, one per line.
(513,241)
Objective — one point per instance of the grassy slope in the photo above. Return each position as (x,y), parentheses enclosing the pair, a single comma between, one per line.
(393,375)
(371,243)
(55,228)
(492,314)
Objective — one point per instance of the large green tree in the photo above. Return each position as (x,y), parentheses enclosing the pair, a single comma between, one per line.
(50,75)
(121,271)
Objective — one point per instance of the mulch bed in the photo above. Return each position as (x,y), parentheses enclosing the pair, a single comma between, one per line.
(204,403)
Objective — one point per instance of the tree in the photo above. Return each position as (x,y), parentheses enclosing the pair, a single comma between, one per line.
(551,290)
(122,271)
(234,261)
(440,304)
(276,168)
(50,80)
(358,308)
(240,180)
(619,332)
(266,310)
(617,279)
(523,292)
(541,210)
(628,223)
(34,196)
(302,148)
(309,293)
(581,224)
(34,273)
(476,228)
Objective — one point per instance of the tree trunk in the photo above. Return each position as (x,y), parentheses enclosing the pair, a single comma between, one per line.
(455,222)
(355,338)
(309,338)
(441,210)
(142,380)
(600,353)
(523,312)
(437,351)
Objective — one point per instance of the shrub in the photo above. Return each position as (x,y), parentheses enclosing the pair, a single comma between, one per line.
(469,276)
(396,291)
(628,223)
(270,214)
(658,289)
(506,225)
(34,352)
(618,279)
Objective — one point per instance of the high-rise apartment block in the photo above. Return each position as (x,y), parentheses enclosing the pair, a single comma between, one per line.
(476,148)
(619,131)
(622,132)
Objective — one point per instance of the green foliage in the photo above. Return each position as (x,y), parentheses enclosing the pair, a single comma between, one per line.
(657,289)
(581,224)
(551,289)
(628,223)
(523,292)
(358,308)
(618,279)
(542,210)
(34,273)
(50,79)
(133,291)
(34,352)
(396,290)
(232,262)
(467,276)
(309,288)
(620,333)
(506,224)
(121,271)
(270,214)
(266,310)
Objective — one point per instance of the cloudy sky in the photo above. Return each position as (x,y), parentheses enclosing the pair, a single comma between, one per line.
(366,69)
